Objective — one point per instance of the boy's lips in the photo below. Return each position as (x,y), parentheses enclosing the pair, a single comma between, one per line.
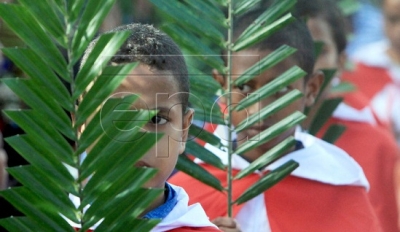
(141,164)
(256,129)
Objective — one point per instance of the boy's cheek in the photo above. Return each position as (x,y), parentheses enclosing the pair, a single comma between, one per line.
(239,116)
(166,147)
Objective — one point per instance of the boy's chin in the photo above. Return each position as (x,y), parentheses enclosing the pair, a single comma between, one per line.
(265,147)
(154,183)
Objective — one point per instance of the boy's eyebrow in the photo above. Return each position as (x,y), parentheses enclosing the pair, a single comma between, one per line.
(161,108)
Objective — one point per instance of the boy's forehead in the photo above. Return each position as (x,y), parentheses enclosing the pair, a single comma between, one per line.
(247,58)
(391,5)
(389,2)
(318,28)
(152,86)
(143,77)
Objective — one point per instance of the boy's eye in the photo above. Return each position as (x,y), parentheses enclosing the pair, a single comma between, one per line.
(157,119)
(244,88)
(283,90)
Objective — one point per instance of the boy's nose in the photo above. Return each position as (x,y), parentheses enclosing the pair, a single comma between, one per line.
(258,106)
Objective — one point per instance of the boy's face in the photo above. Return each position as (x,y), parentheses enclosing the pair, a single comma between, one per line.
(391,9)
(156,90)
(321,31)
(240,63)
(329,58)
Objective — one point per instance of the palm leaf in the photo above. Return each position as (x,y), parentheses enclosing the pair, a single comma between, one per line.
(271,88)
(33,35)
(189,167)
(244,6)
(268,17)
(349,7)
(270,133)
(343,87)
(54,23)
(52,145)
(186,17)
(262,33)
(266,63)
(333,133)
(87,24)
(268,157)
(324,113)
(267,181)
(194,44)
(268,111)
(40,73)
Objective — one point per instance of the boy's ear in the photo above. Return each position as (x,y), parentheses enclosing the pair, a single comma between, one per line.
(218,77)
(221,80)
(187,122)
(313,86)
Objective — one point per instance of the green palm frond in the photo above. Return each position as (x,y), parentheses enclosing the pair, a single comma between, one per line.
(113,197)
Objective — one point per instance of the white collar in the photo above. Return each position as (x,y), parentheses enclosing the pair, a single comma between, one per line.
(183,215)
(346,112)
(319,161)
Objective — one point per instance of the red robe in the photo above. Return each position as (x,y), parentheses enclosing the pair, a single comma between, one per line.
(378,78)
(326,193)
(375,149)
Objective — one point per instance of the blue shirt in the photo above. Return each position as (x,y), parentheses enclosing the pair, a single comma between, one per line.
(163,210)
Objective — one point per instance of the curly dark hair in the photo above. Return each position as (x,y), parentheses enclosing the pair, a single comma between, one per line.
(151,47)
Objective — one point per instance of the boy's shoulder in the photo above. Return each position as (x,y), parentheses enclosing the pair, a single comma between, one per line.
(319,161)
(316,206)
(184,217)
(324,162)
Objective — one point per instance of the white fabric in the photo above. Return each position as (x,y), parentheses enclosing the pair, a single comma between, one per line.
(323,162)
(256,210)
(77,202)
(348,113)
(181,215)
(319,161)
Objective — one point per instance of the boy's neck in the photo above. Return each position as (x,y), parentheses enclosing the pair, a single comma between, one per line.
(157,202)
(256,153)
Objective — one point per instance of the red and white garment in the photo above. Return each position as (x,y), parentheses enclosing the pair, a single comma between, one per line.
(327,192)
(378,77)
(182,218)
(375,149)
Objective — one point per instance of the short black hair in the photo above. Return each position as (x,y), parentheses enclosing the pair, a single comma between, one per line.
(154,48)
(295,35)
(329,11)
